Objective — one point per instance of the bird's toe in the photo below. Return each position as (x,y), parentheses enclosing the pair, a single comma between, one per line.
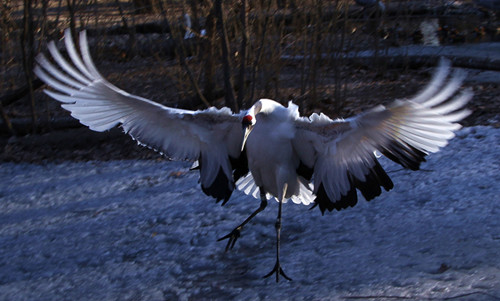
(232,237)
(278,271)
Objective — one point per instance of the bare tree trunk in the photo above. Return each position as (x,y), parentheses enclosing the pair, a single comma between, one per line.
(209,65)
(43,23)
(56,22)
(337,53)
(228,86)
(260,47)
(27,41)
(195,15)
(315,53)
(72,22)
(6,14)
(132,43)
(243,53)
(303,64)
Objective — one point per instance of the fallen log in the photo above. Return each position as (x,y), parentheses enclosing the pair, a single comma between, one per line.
(482,56)
(393,9)
(17,94)
(24,126)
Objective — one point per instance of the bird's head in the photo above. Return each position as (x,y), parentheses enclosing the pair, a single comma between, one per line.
(247,124)
(249,120)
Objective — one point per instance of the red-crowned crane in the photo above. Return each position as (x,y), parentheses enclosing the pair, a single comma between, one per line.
(268,149)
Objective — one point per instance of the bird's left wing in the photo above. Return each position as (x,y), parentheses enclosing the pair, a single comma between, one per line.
(212,136)
(342,152)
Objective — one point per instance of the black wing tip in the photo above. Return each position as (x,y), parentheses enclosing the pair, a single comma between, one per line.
(405,155)
(239,165)
(370,188)
(324,203)
(220,188)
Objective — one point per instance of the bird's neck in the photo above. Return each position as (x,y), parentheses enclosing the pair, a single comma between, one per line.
(265,106)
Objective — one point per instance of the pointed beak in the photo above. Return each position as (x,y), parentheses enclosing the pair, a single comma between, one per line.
(247,129)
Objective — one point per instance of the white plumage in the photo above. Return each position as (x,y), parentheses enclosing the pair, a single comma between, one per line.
(308,159)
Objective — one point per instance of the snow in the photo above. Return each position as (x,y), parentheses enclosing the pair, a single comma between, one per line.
(143,230)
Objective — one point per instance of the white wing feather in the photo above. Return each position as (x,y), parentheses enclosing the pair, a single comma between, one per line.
(180,134)
(339,150)
(247,185)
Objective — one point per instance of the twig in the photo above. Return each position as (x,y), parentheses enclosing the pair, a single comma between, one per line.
(6,120)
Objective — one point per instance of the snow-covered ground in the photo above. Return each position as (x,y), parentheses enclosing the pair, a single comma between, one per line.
(142,230)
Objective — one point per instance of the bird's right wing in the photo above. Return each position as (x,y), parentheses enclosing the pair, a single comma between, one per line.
(211,136)
(342,152)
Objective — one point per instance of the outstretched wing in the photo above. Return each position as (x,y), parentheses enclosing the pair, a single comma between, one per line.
(212,136)
(342,152)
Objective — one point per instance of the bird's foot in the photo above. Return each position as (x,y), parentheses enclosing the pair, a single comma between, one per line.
(232,237)
(279,271)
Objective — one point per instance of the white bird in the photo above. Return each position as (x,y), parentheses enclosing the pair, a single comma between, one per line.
(269,149)
(187,22)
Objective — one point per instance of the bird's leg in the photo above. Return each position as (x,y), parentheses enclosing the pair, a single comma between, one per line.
(235,234)
(277,267)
